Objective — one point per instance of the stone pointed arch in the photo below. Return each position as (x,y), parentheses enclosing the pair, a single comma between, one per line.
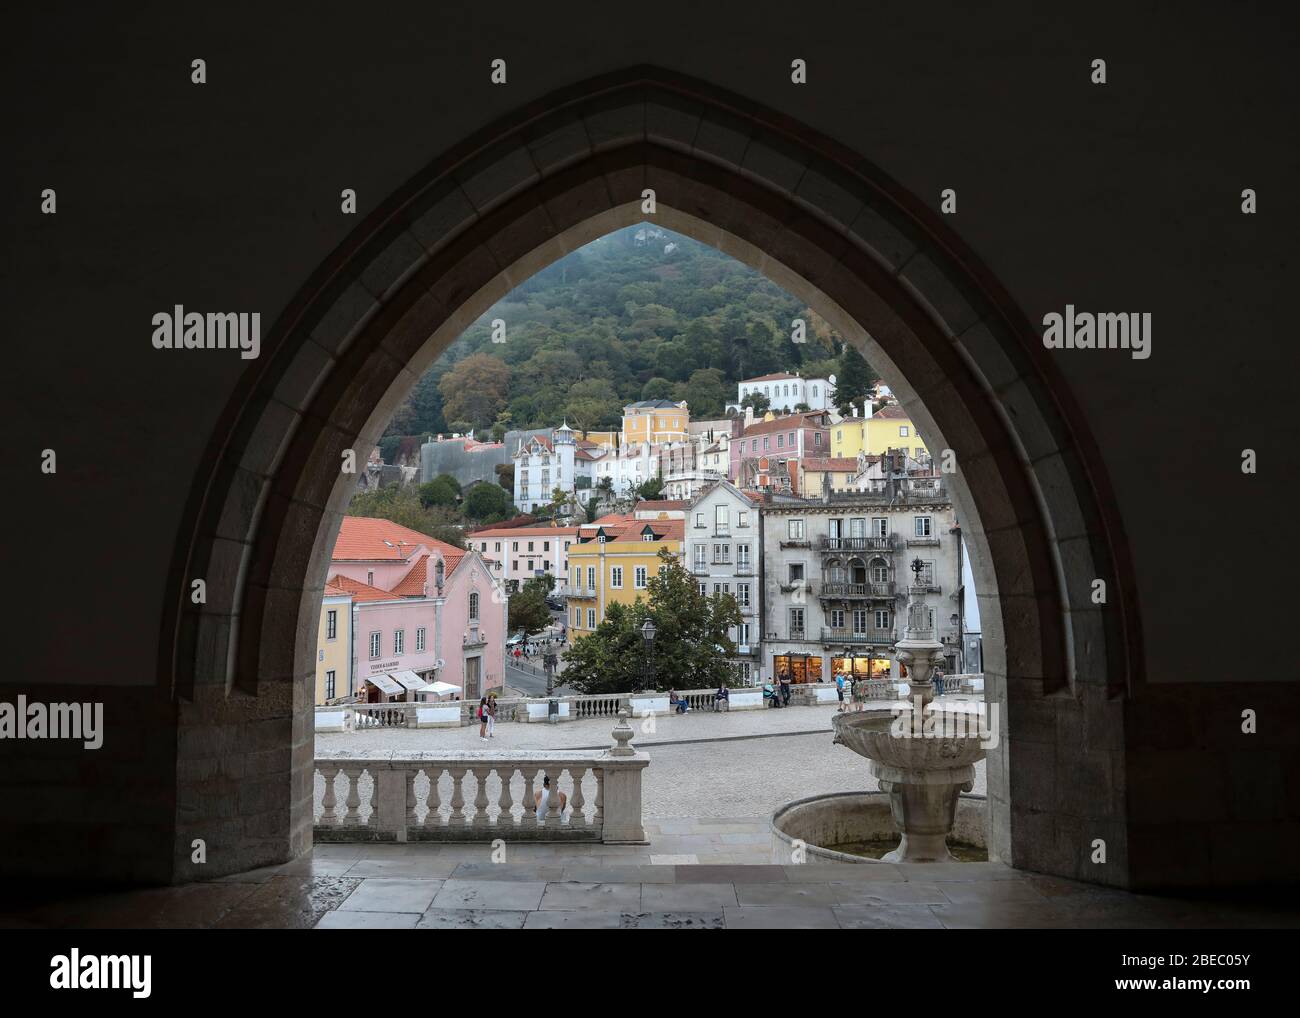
(821,221)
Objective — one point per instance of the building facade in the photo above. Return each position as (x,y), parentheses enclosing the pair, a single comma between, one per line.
(765,455)
(723,542)
(838,572)
(334,646)
(786,392)
(613,563)
(873,434)
(544,463)
(517,554)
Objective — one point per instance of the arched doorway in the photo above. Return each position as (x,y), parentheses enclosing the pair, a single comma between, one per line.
(820,221)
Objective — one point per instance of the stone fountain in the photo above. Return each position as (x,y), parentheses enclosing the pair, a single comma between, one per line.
(921,762)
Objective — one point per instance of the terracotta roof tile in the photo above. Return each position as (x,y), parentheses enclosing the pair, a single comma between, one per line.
(842,464)
(412,584)
(361,592)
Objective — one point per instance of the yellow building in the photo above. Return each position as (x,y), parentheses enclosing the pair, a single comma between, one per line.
(655,421)
(334,645)
(891,428)
(818,475)
(615,562)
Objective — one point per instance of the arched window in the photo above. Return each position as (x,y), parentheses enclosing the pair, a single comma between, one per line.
(834,571)
(879,571)
(473,607)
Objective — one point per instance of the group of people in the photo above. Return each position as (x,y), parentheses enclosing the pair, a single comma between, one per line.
(487,716)
(778,695)
(850,689)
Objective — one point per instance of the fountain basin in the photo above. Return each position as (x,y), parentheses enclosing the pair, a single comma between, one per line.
(843,818)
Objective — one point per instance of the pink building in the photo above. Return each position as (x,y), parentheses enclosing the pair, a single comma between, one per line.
(419,605)
(766,454)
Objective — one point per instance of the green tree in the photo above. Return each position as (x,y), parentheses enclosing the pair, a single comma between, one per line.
(442,490)
(704,393)
(855,380)
(487,503)
(527,607)
(650,488)
(475,390)
(758,401)
(691,647)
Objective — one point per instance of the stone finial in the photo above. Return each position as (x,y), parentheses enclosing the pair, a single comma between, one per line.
(623,735)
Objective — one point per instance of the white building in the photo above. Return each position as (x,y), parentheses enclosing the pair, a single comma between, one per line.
(723,548)
(543,464)
(625,467)
(785,392)
(838,574)
(517,554)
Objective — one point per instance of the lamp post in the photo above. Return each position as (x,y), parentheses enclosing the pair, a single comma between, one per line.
(648,635)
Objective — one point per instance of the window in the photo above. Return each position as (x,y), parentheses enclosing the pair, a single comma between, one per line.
(722,554)
(796,573)
(329,685)
(796,623)
(879,526)
(921,525)
(742,594)
(473,607)
(530,565)
(640,578)
(370,578)
(591,618)
(616,577)
(780,441)
(902,431)
(497,546)
(721,519)
(648,536)
(704,590)
(817,438)
(514,565)
(792,440)
(591,577)
(816,389)
(399,641)
(742,556)
(796,530)
(742,518)
(701,556)
(374,646)
(483,546)
(839,435)
(577,617)
(420,643)
(742,631)
(882,618)
(514,545)
(879,571)
(546,546)
(926,576)
(765,443)
(699,520)
(332,624)
(859,621)
(837,618)
(530,545)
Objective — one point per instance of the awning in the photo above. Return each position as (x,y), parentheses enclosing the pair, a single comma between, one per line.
(407,679)
(385,683)
(439,688)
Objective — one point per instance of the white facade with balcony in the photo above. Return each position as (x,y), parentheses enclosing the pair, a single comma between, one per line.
(723,542)
(785,392)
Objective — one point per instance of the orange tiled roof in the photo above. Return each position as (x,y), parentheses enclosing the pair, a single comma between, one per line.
(361,592)
(893,412)
(661,503)
(790,422)
(833,463)
(333,591)
(367,539)
(412,584)
(516,531)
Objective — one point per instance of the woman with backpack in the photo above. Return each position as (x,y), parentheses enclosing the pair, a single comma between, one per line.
(482,718)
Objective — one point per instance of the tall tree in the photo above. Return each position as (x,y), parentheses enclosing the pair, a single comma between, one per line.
(855,380)
(475,390)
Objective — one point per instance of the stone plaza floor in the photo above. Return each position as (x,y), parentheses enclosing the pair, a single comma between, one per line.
(639,887)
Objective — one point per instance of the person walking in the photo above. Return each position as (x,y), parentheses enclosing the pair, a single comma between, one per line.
(839,689)
(482,718)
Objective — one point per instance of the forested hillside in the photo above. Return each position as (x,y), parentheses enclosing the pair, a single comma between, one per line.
(643,313)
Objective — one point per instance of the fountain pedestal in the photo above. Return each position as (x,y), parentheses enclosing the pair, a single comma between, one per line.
(924,808)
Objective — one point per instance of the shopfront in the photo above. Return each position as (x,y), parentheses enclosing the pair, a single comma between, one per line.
(860,666)
(799,667)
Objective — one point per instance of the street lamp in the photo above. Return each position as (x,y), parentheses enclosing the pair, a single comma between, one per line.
(648,635)
(917,566)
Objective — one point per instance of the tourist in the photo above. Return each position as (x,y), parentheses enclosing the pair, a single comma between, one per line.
(859,694)
(679,703)
(482,718)
(543,798)
(722,696)
(491,715)
(770,695)
(785,689)
(839,689)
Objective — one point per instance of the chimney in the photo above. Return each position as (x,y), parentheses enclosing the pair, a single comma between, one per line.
(749,414)
(855,410)
(866,408)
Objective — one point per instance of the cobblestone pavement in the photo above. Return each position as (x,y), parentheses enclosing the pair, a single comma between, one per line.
(701,764)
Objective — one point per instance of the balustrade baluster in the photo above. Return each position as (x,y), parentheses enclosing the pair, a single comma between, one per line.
(598,818)
(328,817)
(480,796)
(411,820)
(530,805)
(553,799)
(457,818)
(578,817)
(433,803)
(352,817)
(506,816)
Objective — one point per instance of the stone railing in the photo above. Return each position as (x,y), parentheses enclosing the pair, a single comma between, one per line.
(482,796)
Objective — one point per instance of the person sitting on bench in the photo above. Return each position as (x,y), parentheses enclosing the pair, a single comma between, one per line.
(721,697)
(679,703)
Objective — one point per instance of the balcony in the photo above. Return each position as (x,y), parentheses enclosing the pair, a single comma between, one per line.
(744,569)
(796,544)
(699,569)
(582,592)
(835,545)
(870,637)
(853,591)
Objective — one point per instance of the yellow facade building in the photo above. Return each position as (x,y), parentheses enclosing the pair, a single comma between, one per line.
(334,645)
(614,563)
(655,421)
(891,428)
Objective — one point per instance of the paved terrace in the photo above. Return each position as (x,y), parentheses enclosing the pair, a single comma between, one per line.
(712,781)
